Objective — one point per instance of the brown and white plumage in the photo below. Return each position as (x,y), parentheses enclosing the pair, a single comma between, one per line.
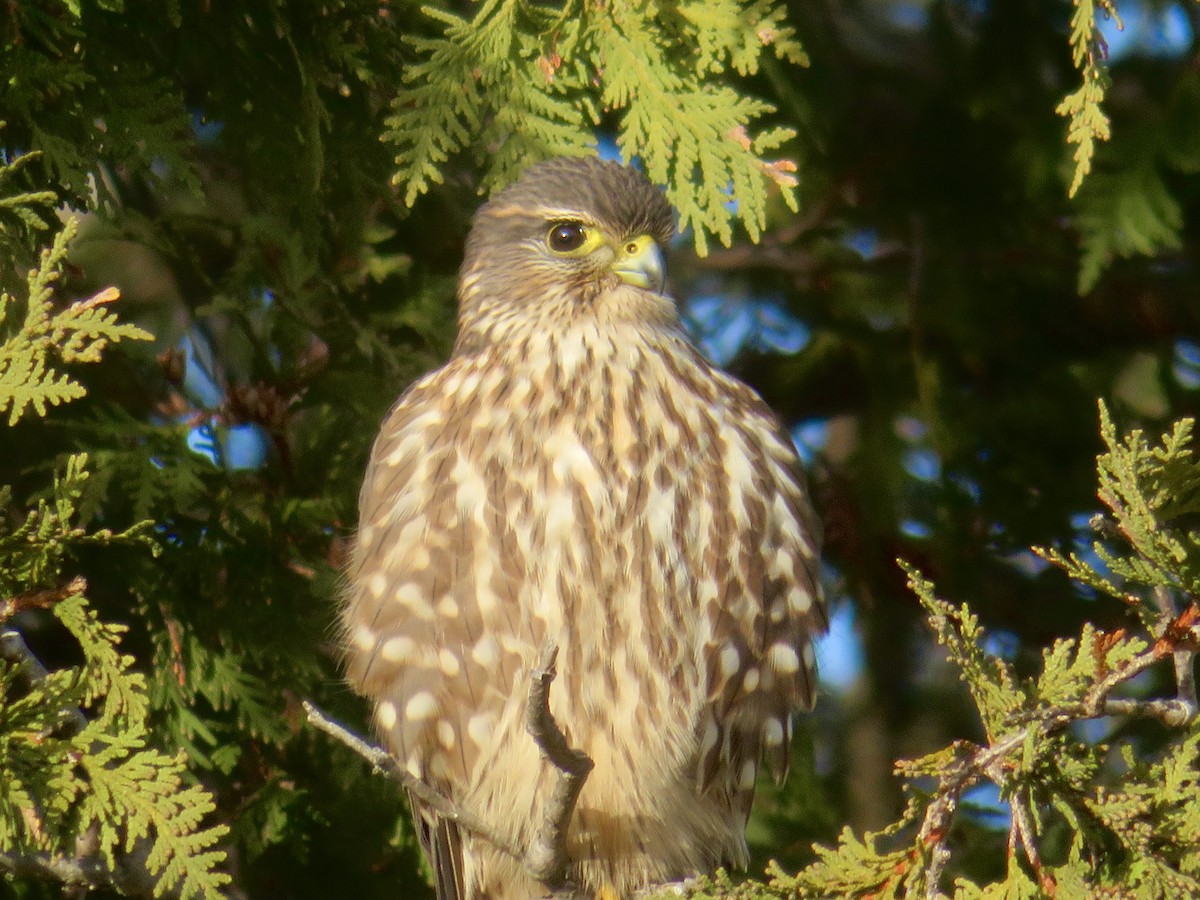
(578,472)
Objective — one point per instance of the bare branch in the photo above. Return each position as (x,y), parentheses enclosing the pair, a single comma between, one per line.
(1172,713)
(385,764)
(1185,660)
(935,828)
(88,873)
(547,858)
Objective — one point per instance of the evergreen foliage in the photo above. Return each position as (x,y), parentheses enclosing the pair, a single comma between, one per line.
(936,322)
(83,785)
(518,82)
(1088,121)
(78,333)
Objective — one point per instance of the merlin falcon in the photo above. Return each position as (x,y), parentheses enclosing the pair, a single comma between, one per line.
(579,474)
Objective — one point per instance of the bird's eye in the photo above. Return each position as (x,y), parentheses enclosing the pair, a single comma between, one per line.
(566,236)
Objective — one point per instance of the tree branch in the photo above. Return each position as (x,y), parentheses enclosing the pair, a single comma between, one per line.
(45,599)
(383,763)
(88,873)
(1185,665)
(547,856)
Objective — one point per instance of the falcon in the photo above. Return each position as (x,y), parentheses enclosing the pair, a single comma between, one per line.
(579,474)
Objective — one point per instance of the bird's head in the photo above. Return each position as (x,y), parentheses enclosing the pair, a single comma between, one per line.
(573,238)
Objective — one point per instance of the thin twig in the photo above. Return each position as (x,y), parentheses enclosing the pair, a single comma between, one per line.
(44,599)
(385,764)
(547,856)
(1185,666)
(1023,830)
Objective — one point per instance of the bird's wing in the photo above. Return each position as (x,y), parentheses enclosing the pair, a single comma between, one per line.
(429,619)
(760,660)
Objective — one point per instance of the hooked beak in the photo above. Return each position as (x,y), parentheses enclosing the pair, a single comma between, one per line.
(640,262)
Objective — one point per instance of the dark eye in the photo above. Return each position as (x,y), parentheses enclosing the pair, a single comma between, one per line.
(566,236)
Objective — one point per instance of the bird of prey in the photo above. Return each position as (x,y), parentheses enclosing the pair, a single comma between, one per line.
(578,473)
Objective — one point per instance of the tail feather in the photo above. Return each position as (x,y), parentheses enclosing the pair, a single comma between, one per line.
(442,843)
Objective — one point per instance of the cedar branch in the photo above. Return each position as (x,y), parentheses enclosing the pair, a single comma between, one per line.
(1178,640)
(86,870)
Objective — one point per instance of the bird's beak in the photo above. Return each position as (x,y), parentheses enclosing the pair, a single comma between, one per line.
(640,262)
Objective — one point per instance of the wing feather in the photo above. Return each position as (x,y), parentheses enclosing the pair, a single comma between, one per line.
(759,657)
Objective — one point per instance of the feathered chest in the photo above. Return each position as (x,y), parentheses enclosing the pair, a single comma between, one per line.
(614,428)
(587,467)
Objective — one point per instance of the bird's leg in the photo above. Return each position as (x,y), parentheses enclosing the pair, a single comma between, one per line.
(546,858)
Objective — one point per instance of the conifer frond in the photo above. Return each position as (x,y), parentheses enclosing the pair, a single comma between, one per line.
(74,754)
(32,553)
(1124,213)
(732,32)
(34,333)
(517,83)
(134,795)
(957,629)
(106,677)
(1088,123)
(63,774)
(31,208)
(854,867)
(1151,492)
(481,83)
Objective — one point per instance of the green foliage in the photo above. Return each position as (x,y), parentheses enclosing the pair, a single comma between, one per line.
(1128,208)
(1123,215)
(27,207)
(1088,123)
(116,103)
(67,776)
(33,552)
(78,761)
(1152,494)
(33,332)
(519,82)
